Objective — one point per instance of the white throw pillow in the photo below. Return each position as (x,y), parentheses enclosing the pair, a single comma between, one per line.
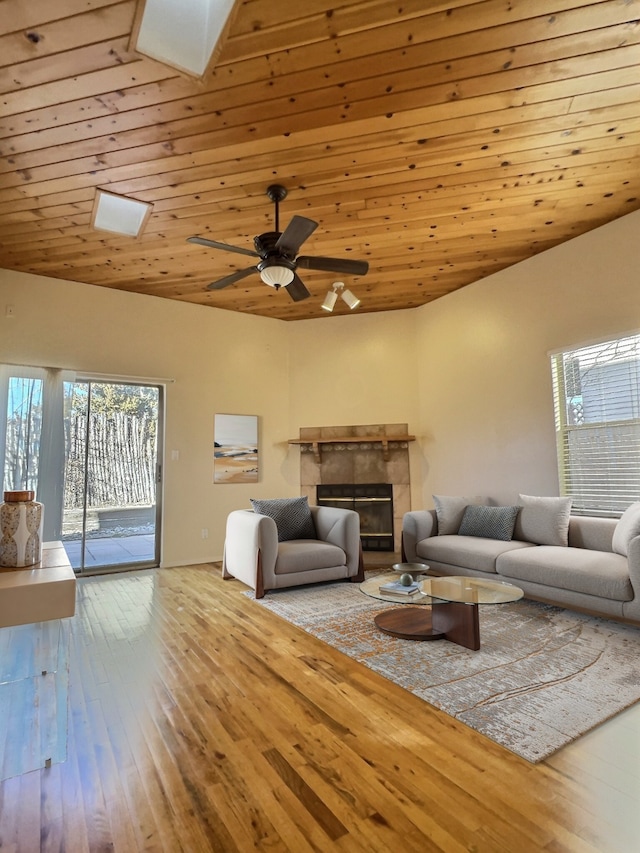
(544,521)
(449,511)
(626,529)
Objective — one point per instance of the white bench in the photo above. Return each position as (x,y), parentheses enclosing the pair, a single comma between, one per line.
(38,593)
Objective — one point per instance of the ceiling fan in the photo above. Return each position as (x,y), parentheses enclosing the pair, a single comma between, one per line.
(277,253)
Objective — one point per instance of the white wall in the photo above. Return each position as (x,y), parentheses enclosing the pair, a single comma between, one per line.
(469,373)
(486,411)
(220,361)
(354,369)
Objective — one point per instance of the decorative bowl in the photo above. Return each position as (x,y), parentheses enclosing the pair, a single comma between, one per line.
(413,569)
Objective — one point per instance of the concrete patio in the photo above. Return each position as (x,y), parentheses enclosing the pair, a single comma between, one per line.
(112,551)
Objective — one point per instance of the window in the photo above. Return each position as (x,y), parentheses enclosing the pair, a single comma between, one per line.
(22,431)
(31,436)
(597,408)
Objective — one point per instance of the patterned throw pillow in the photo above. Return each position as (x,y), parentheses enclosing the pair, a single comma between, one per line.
(490,522)
(292,517)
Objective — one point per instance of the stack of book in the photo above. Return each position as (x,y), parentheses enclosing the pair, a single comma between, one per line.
(399,589)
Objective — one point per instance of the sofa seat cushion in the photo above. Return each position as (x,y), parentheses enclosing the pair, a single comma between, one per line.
(307,555)
(469,552)
(596,573)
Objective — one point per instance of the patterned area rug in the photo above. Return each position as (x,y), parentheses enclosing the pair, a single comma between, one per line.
(542,677)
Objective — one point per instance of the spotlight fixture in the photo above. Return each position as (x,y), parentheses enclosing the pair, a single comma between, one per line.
(339,290)
(330,300)
(350,298)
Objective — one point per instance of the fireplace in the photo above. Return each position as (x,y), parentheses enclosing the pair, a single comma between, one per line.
(367,455)
(374,504)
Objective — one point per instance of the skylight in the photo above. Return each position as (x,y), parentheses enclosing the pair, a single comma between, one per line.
(119,214)
(183,34)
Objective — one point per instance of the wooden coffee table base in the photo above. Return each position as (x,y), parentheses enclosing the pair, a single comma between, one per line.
(451,620)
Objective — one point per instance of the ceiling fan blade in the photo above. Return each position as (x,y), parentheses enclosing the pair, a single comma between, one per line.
(231,279)
(333,265)
(296,290)
(213,244)
(295,234)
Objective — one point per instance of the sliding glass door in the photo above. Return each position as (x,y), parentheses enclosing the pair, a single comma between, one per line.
(90,450)
(111,507)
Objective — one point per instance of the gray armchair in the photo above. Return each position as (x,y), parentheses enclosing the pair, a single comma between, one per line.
(253,554)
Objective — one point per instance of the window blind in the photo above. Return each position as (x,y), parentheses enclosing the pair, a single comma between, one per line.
(597,410)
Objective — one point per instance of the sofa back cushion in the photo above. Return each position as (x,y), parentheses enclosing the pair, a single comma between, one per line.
(449,511)
(544,521)
(627,527)
(489,522)
(591,532)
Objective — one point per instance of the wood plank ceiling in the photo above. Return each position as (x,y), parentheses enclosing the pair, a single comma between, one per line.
(439,141)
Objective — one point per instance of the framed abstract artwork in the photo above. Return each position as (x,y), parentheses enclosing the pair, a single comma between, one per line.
(235,449)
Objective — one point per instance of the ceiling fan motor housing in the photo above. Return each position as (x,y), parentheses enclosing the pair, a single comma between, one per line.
(266,244)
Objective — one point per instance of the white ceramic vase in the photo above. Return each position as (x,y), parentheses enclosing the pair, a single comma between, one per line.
(21,520)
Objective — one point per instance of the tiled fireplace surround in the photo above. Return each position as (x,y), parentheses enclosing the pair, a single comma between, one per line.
(358,462)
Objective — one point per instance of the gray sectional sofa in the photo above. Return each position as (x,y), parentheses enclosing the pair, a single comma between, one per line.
(584,563)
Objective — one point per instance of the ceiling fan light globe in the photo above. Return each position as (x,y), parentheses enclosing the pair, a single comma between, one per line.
(276,275)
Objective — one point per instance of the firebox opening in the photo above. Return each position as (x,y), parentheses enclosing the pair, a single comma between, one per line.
(374,504)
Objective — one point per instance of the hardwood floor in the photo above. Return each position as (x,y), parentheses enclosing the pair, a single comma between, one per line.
(199,721)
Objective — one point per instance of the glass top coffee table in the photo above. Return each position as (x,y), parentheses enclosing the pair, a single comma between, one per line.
(452,607)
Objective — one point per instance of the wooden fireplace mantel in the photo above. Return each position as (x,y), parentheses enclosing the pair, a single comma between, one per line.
(383,440)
